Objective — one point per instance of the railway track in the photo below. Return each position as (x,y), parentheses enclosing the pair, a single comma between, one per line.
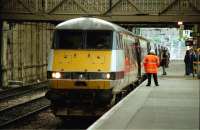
(21,111)
(21,95)
(15,92)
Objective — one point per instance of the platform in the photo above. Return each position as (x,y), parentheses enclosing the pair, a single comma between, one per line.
(174,105)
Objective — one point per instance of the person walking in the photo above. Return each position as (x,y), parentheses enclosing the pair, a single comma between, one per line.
(151,64)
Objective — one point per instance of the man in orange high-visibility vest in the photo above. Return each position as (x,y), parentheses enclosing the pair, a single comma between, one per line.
(151,64)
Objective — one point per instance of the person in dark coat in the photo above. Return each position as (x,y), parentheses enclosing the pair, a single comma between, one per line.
(192,58)
(164,59)
(187,61)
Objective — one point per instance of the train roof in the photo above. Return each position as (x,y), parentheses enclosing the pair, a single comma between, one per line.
(87,23)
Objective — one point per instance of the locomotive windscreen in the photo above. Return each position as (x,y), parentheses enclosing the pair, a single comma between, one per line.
(79,39)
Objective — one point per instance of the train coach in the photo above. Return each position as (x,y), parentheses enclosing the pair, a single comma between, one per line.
(91,65)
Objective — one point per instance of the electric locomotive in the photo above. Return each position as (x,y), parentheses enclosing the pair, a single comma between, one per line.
(91,65)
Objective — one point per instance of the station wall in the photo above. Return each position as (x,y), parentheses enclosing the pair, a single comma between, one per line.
(25,48)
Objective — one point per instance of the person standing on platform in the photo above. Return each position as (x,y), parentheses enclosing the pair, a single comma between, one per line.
(193,58)
(187,61)
(151,64)
(163,63)
(168,58)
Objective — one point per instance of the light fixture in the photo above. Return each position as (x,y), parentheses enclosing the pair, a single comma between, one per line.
(180,22)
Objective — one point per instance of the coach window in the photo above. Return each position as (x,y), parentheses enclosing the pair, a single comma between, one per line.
(118,41)
(120,44)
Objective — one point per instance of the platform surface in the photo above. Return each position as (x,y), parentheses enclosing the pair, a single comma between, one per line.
(174,105)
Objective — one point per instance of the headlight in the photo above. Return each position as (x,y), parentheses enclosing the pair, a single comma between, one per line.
(108,76)
(56,75)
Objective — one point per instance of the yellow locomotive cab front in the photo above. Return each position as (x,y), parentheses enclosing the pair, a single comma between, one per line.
(82,69)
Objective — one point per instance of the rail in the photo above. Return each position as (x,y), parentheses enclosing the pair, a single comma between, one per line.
(21,111)
(14,92)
